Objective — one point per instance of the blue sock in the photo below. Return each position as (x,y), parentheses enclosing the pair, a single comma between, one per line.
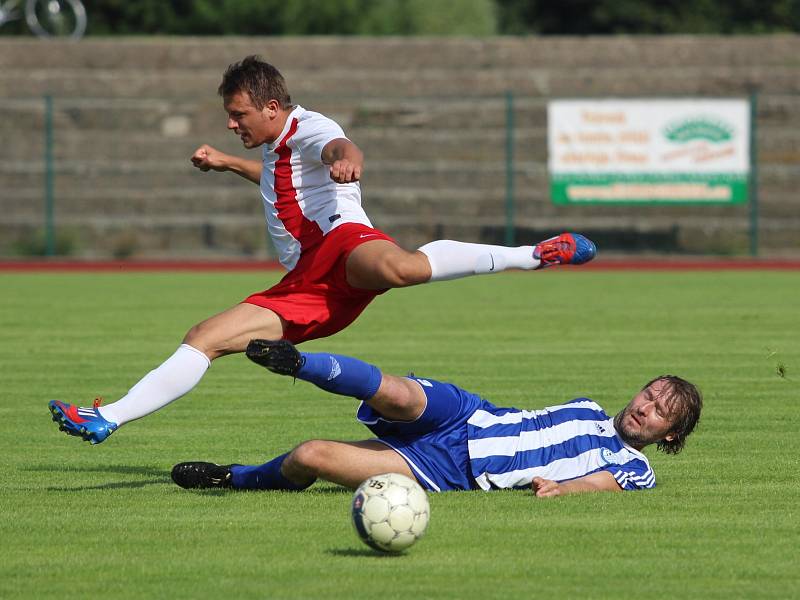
(263,477)
(340,374)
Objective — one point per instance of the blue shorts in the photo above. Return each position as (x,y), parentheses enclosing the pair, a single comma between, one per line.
(434,445)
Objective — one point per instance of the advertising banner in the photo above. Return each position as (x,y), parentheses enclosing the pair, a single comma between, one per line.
(649,151)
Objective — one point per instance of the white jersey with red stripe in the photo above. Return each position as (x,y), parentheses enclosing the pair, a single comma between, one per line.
(301,202)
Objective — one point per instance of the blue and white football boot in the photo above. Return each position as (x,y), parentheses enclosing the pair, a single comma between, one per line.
(86,423)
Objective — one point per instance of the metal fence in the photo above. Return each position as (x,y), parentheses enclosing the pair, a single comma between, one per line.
(101,177)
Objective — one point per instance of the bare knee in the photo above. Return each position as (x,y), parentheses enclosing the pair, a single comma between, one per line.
(200,337)
(194,336)
(399,399)
(308,458)
(197,338)
(404,269)
(230,331)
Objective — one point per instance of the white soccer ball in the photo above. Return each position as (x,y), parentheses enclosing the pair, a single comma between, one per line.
(390,512)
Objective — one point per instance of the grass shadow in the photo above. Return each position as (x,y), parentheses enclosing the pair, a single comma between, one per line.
(324,490)
(335,490)
(361,553)
(119,485)
(157,476)
(160,476)
(117,469)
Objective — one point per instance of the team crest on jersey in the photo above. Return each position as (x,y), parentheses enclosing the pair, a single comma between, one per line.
(607,457)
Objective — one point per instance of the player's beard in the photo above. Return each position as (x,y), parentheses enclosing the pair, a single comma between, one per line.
(637,440)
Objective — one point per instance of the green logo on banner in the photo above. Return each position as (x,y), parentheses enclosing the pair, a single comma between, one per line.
(698,129)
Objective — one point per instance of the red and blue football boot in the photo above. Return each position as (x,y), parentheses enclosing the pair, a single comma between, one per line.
(86,423)
(564,249)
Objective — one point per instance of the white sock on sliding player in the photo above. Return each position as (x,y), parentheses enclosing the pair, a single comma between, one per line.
(172,379)
(450,259)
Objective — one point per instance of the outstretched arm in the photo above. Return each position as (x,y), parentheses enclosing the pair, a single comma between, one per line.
(602,481)
(345,160)
(207,158)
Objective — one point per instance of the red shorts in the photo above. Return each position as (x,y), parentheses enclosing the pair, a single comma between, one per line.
(314,298)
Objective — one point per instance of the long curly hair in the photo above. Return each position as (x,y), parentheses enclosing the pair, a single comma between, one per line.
(685,403)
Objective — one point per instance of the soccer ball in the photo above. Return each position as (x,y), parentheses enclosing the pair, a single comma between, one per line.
(390,512)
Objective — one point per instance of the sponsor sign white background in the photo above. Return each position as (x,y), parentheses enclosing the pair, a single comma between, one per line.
(629,136)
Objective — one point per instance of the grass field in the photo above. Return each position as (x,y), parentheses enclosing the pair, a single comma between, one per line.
(80,521)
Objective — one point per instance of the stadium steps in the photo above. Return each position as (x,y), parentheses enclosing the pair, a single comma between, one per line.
(582,81)
(75,177)
(430,115)
(196,53)
(777,144)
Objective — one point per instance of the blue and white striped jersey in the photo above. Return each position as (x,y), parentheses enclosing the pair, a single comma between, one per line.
(508,447)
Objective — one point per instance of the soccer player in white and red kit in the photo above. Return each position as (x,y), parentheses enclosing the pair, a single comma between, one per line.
(337,261)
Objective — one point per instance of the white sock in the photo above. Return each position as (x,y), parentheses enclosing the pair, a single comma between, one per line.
(171,380)
(451,260)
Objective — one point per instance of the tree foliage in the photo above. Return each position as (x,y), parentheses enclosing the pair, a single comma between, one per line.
(297,17)
(435,17)
(597,17)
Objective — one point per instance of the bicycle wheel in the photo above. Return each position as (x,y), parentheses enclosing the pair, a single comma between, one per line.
(56,18)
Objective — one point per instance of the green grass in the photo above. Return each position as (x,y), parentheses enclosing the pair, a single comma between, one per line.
(107,521)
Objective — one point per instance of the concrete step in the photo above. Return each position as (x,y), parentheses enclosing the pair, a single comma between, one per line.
(159,129)
(161,116)
(377,143)
(118,239)
(776,146)
(196,240)
(200,204)
(74,179)
(391,223)
(129,82)
(401,53)
(179,118)
(74,176)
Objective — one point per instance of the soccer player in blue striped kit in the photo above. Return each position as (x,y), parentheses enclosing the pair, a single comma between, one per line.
(450,439)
